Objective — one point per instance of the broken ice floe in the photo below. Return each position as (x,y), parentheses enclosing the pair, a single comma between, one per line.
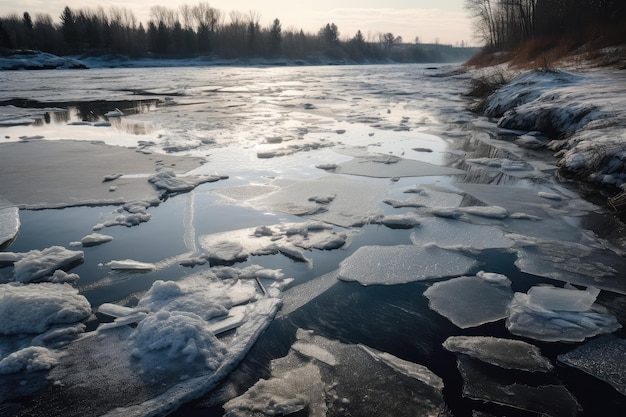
(428,197)
(9,225)
(399,221)
(39,265)
(30,359)
(505,353)
(555,314)
(602,358)
(454,234)
(326,377)
(471,301)
(289,239)
(389,265)
(548,399)
(34,308)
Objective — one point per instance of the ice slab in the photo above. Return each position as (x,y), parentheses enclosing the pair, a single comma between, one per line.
(356,202)
(450,233)
(130,265)
(602,358)
(425,196)
(472,300)
(562,299)
(529,320)
(34,308)
(551,399)
(388,166)
(95,239)
(168,182)
(573,263)
(326,377)
(505,353)
(64,173)
(390,265)
(9,225)
(38,265)
(399,221)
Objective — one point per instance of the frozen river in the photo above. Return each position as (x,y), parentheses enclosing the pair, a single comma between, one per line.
(338,240)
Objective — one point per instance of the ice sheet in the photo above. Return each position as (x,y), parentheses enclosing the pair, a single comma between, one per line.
(472,300)
(505,353)
(390,265)
(65,173)
(602,358)
(388,166)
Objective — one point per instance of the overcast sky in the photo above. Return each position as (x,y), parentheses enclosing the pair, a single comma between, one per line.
(432,20)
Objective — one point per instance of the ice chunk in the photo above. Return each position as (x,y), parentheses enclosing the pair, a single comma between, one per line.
(130,265)
(9,225)
(505,353)
(551,399)
(529,320)
(60,276)
(389,265)
(114,113)
(115,310)
(30,359)
(562,299)
(37,265)
(95,239)
(447,233)
(472,300)
(33,308)
(602,358)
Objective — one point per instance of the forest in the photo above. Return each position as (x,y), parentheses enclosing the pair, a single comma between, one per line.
(201,30)
(507,24)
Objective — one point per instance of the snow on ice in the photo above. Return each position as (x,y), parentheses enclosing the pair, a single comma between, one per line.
(34,308)
(39,265)
(471,300)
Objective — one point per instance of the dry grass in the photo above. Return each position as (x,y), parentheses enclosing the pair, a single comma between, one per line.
(590,48)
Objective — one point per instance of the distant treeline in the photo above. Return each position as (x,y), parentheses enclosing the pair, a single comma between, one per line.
(201,30)
(506,24)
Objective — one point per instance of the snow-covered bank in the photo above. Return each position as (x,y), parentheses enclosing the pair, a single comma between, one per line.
(583,115)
